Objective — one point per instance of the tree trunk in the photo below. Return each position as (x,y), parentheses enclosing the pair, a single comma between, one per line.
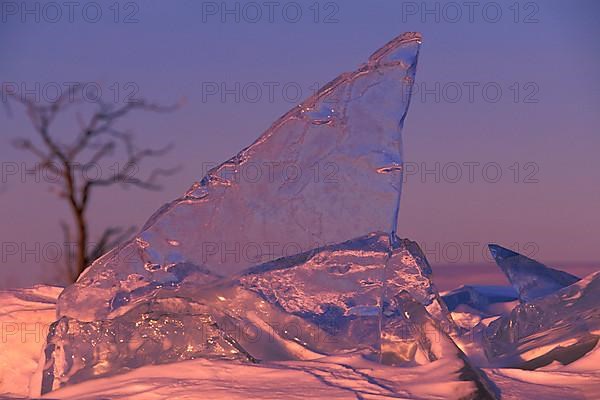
(81,261)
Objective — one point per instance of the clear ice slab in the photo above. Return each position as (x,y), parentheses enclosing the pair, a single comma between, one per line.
(338,299)
(155,332)
(561,326)
(530,278)
(327,171)
(351,279)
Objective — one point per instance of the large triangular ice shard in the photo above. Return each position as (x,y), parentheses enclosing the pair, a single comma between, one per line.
(410,336)
(561,326)
(327,171)
(530,278)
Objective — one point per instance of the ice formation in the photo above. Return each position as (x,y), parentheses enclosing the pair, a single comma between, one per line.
(338,299)
(530,278)
(257,268)
(557,319)
(561,326)
(271,268)
(327,171)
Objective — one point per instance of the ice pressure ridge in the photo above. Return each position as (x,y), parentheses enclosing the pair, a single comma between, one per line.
(288,251)
(372,295)
(558,318)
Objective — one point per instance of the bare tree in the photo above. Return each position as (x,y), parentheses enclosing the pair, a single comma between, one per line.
(95,139)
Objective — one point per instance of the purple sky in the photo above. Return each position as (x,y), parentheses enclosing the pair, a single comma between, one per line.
(519,167)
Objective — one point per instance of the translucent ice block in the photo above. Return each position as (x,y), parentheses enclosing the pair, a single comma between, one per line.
(327,171)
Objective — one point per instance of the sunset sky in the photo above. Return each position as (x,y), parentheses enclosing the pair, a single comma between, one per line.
(501,141)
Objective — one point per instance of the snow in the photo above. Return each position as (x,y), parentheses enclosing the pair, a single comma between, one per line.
(548,385)
(25,315)
(333,377)
(589,362)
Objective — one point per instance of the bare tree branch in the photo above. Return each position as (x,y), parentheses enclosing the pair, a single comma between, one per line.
(96,140)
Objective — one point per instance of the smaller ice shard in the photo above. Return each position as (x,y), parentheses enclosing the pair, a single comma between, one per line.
(561,326)
(530,278)
(410,336)
(157,332)
(478,297)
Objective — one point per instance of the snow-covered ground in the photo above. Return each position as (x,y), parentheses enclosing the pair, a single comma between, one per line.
(330,377)
(25,316)
(578,380)
(27,313)
(327,378)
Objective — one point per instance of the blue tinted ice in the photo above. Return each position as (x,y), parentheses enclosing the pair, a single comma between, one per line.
(530,278)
